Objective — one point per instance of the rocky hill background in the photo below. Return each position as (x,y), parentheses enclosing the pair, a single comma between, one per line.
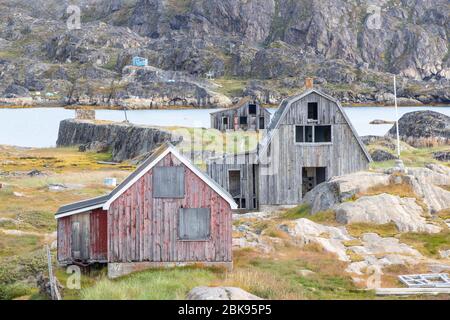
(263,48)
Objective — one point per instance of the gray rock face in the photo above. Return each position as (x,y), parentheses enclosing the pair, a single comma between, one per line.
(423,128)
(378,252)
(306,231)
(125,141)
(384,208)
(426,184)
(442,156)
(94,146)
(220,293)
(339,41)
(381,155)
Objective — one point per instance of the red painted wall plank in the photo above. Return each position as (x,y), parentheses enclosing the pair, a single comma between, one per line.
(156,239)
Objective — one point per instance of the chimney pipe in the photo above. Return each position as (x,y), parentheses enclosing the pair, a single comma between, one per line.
(309,83)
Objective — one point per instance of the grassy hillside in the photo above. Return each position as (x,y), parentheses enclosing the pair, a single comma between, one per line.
(27,223)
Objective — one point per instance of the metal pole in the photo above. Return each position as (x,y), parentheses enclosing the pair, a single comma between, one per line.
(125,110)
(396,117)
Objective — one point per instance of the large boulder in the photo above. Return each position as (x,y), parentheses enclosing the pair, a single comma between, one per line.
(338,189)
(220,293)
(385,208)
(423,128)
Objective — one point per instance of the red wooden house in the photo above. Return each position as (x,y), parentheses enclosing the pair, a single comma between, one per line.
(166,213)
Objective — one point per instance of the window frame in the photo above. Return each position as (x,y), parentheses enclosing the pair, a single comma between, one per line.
(314,143)
(179,238)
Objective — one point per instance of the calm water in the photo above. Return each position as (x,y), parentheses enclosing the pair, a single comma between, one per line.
(39,127)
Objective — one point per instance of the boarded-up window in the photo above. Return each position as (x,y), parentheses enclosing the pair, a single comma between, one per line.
(168,182)
(194,224)
(76,240)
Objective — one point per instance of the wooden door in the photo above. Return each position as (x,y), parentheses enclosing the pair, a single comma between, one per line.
(80,236)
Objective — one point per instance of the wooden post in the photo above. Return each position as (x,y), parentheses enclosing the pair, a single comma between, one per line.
(53,288)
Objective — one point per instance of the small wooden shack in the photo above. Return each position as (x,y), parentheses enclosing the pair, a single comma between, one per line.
(309,140)
(247,114)
(166,213)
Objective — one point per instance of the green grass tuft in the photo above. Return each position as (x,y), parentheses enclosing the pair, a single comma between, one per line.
(150,285)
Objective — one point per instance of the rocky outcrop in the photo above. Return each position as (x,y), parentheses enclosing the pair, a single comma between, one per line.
(366,254)
(380,155)
(305,231)
(423,128)
(428,185)
(126,141)
(339,189)
(278,42)
(385,208)
(442,156)
(377,252)
(220,293)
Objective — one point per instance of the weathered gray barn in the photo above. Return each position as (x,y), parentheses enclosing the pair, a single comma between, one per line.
(247,114)
(309,140)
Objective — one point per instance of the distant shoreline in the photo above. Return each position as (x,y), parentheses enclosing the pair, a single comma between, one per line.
(270,106)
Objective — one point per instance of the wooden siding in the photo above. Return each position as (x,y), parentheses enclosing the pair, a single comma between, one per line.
(246,163)
(99,235)
(287,158)
(233,115)
(91,241)
(143,228)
